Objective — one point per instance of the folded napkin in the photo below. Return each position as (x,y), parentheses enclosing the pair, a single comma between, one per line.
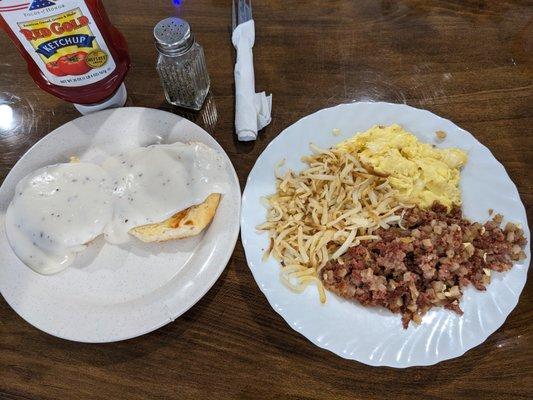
(252,110)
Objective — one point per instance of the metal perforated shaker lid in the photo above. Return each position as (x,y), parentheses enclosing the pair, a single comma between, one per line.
(173,36)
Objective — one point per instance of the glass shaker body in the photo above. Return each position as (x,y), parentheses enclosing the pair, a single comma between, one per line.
(181,64)
(184,77)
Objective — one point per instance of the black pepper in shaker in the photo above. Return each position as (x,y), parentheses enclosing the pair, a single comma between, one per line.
(181,64)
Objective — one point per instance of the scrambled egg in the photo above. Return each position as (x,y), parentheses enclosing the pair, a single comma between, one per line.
(420,172)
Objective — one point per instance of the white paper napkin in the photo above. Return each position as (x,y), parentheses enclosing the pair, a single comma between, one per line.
(252,110)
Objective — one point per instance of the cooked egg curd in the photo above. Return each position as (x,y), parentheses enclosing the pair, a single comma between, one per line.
(419,172)
(60,208)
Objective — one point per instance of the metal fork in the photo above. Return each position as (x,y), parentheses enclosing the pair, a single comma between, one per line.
(241,11)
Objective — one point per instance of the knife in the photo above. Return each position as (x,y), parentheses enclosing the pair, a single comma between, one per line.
(241,11)
(252,110)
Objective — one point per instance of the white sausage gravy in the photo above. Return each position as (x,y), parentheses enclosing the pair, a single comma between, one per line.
(58,209)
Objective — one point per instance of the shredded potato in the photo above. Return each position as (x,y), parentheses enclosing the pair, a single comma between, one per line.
(317,214)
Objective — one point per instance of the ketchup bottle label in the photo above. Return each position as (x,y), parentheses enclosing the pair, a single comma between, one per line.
(62,38)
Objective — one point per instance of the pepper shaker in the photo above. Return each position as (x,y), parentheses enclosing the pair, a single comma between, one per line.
(181,64)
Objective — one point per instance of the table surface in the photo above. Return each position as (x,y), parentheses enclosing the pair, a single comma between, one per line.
(468,61)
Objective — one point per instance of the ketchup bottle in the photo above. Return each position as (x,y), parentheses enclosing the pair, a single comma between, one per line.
(71,48)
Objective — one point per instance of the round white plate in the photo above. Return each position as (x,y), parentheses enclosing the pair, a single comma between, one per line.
(118,292)
(375,336)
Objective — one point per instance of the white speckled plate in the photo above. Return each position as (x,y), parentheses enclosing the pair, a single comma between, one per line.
(118,292)
(375,336)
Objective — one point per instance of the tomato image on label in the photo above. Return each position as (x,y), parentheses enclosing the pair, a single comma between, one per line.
(74,63)
(54,68)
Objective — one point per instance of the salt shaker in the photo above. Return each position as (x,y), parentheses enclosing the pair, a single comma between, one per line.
(181,64)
